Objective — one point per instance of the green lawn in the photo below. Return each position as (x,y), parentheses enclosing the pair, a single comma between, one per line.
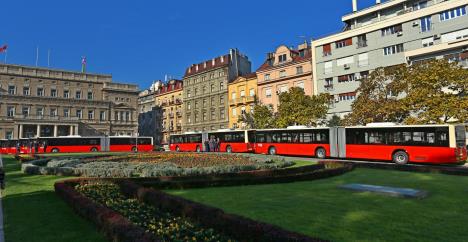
(319,208)
(299,163)
(32,211)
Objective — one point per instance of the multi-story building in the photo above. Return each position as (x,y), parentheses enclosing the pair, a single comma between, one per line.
(48,103)
(242,94)
(169,100)
(206,90)
(149,116)
(283,69)
(386,34)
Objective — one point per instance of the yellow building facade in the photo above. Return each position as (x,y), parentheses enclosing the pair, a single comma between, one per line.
(242,94)
(169,99)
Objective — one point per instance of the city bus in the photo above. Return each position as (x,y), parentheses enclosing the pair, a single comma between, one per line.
(126,144)
(238,141)
(401,144)
(190,141)
(295,141)
(8,146)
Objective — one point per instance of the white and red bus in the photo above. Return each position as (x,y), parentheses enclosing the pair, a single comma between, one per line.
(436,144)
(125,144)
(296,140)
(186,142)
(237,141)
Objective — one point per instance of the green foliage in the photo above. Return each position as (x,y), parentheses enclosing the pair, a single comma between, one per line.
(161,223)
(263,117)
(296,108)
(431,92)
(334,121)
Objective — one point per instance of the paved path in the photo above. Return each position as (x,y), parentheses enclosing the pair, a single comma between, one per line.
(2,233)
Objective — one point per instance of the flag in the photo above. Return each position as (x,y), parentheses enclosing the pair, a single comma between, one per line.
(83,64)
(3,48)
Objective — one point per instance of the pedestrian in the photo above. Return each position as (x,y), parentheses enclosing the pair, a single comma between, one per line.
(18,148)
(207,146)
(36,147)
(211,144)
(218,144)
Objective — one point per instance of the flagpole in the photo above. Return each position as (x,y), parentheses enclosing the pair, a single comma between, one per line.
(6,54)
(37,55)
(48,58)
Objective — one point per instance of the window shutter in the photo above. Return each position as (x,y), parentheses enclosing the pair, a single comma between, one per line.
(327,48)
(349,41)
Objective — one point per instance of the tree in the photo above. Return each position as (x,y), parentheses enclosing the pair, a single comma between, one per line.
(334,121)
(296,108)
(377,97)
(263,117)
(437,93)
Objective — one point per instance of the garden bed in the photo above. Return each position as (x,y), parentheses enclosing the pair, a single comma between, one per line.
(152,165)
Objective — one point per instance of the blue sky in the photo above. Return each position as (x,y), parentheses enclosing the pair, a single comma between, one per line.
(142,40)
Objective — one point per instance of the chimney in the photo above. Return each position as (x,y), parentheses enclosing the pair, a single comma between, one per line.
(354,5)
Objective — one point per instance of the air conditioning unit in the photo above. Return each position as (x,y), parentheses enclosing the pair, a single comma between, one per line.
(346,66)
(400,33)
(415,23)
(437,36)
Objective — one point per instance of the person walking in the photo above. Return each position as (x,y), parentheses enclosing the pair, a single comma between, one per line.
(18,148)
(218,144)
(207,146)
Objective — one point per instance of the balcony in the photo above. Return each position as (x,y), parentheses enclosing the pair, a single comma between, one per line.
(328,87)
(242,100)
(361,44)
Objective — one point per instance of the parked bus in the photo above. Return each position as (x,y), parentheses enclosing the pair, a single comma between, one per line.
(296,140)
(186,142)
(125,144)
(238,141)
(8,146)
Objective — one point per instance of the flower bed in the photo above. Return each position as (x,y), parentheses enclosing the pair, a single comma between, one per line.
(162,224)
(152,165)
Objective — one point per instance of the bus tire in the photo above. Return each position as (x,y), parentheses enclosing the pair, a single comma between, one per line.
(94,149)
(197,149)
(228,149)
(134,149)
(177,149)
(320,153)
(272,150)
(55,150)
(400,157)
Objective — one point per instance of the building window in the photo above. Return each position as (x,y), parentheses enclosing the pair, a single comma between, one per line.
(327,50)
(189,106)
(196,104)
(221,100)
(212,87)
(454,36)
(91,115)
(252,92)
(299,70)
(9,135)
(282,73)
(204,102)
(452,13)
(26,91)
(204,89)
(394,49)
(363,74)
(66,112)
(343,43)
(419,5)
(268,92)
(426,24)
(53,112)
(40,112)
(127,116)
(222,114)
(66,94)
(189,94)
(282,58)
(267,77)
(25,111)
(328,84)
(283,88)
(53,92)
(428,41)
(12,90)
(233,96)
(10,111)
(79,113)
(300,84)
(78,95)
(363,59)
(234,112)
(189,120)
(90,96)
(347,96)
(196,117)
(362,41)
(213,114)
(204,116)
(40,91)
(347,78)
(346,61)
(242,93)
(195,91)
(392,30)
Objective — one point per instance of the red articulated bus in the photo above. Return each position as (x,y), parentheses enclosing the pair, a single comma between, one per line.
(186,142)
(237,141)
(126,144)
(71,144)
(296,140)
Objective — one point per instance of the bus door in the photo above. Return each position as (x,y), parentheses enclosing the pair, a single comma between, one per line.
(105,143)
(337,142)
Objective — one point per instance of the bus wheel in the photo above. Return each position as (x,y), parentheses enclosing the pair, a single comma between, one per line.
(272,151)
(134,149)
(55,150)
(400,157)
(320,153)
(229,149)
(197,149)
(94,149)
(177,149)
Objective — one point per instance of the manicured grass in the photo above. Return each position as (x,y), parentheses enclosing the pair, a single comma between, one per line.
(33,212)
(300,163)
(84,154)
(321,209)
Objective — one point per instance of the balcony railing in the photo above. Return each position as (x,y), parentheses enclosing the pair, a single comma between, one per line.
(361,44)
(328,87)
(242,100)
